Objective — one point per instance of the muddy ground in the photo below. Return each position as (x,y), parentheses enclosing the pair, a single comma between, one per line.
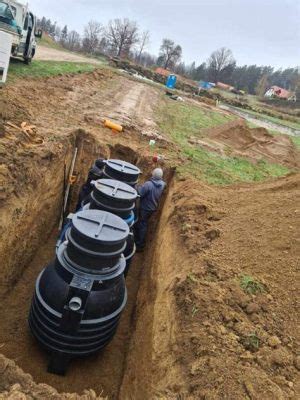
(189,331)
(255,144)
(45,53)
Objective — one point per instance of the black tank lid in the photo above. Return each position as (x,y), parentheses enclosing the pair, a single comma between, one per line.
(115,189)
(122,170)
(99,227)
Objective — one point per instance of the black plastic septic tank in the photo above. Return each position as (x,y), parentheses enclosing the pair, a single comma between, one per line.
(79,297)
(113,196)
(122,171)
(129,251)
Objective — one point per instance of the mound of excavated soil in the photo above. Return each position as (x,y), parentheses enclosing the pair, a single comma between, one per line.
(237,139)
(211,339)
(15,384)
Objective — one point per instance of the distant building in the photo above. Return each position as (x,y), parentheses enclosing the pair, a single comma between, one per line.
(280,93)
(224,86)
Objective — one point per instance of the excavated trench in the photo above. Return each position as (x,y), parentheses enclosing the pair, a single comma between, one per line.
(30,240)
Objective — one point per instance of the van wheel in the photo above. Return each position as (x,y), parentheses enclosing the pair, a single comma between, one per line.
(27,60)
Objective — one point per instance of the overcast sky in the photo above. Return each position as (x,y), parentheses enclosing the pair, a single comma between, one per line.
(263,32)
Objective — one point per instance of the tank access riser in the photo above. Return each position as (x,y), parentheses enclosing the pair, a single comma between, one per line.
(79,297)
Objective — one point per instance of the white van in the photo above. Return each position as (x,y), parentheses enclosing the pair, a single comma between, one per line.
(20,23)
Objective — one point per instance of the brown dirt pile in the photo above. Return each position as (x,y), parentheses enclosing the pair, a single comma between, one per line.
(238,344)
(203,335)
(237,139)
(58,107)
(15,384)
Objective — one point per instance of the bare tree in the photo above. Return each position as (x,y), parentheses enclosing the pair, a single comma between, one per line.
(103,46)
(220,63)
(144,41)
(57,33)
(170,53)
(262,86)
(91,37)
(73,41)
(122,35)
(297,87)
(64,35)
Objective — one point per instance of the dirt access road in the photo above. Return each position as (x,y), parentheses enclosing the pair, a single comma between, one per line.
(189,331)
(260,121)
(45,53)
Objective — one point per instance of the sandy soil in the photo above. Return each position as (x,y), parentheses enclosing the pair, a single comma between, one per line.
(191,331)
(45,53)
(237,139)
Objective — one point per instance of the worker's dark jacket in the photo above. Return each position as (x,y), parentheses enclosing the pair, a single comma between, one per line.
(150,193)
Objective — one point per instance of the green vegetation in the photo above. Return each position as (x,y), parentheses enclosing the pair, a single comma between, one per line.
(192,278)
(250,285)
(17,69)
(181,121)
(222,171)
(296,140)
(251,342)
(195,310)
(184,118)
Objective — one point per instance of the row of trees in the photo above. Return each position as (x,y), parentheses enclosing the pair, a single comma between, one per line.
(221,67)
(122,38)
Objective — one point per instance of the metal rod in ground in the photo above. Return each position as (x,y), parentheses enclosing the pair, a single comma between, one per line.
(63,198)
(66,198)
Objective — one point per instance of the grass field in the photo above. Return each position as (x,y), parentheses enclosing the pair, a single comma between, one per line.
(18,69)
(296,140)
(180,121)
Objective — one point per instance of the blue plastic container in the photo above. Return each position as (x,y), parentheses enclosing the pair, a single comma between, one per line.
(171,81)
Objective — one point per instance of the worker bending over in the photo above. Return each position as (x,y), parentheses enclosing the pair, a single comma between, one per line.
(150,194)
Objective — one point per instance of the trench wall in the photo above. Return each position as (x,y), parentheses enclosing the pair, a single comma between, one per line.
(150,349)
(40,212)
(28,218)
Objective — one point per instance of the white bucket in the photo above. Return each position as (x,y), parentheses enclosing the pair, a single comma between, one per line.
(5,52)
